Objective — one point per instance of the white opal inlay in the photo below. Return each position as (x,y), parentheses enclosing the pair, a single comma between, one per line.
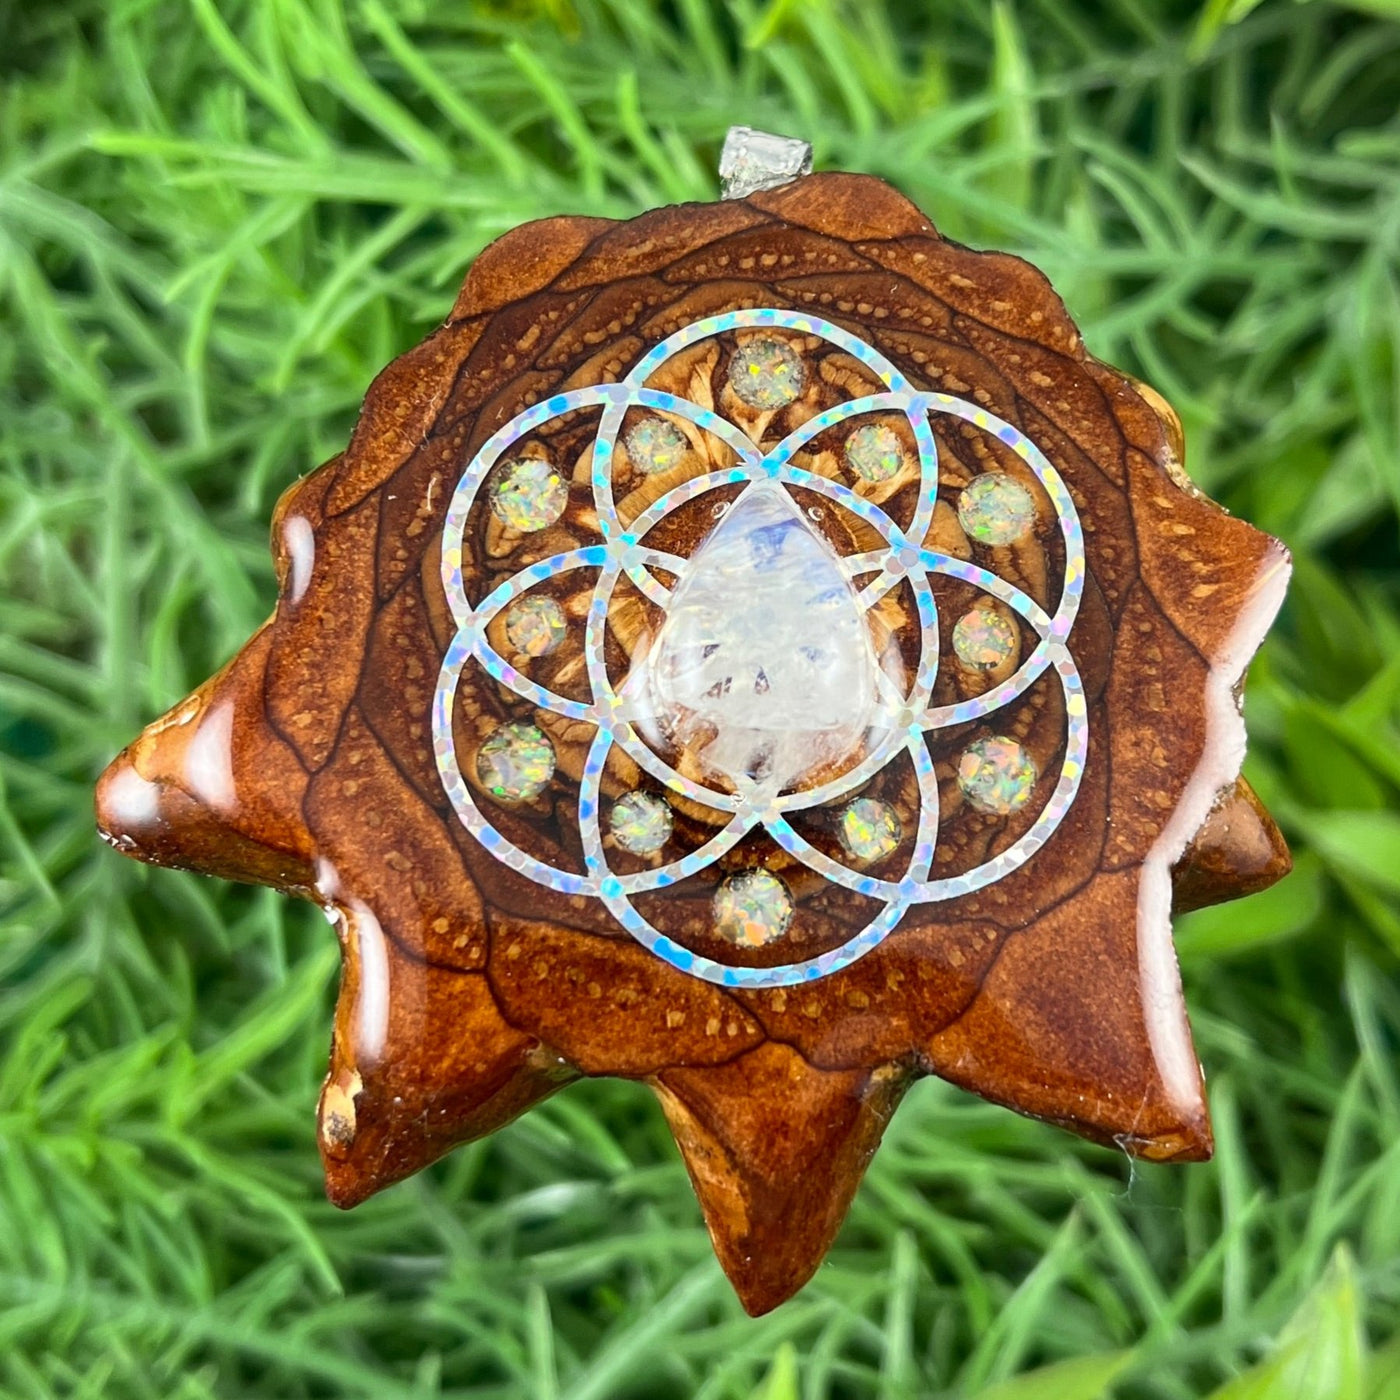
(374,982)
(1217,768)
(359,926)
(132,800)
(299,540)
(209,760)
(764,667)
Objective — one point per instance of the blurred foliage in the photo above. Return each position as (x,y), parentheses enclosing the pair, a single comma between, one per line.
(217,222)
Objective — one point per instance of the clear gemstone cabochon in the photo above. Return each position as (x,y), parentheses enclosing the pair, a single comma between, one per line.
(765,667)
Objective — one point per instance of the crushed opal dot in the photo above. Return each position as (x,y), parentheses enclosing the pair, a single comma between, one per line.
(996,775)
(983,638)
(516,762)
(535,626)
(996,509)
(870,829)
(640,822)
(766,373)
(655,445)
(527,494)
(752,909)
(874,452)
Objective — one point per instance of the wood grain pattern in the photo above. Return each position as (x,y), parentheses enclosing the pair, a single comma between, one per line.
(470,993)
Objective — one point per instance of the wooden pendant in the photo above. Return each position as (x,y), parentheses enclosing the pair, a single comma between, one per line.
(590,784)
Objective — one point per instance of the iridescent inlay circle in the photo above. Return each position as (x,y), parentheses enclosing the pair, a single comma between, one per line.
(527,494)
(752,908)
(996,509)
(656,445)
(870,829)
(640,823)
(535,626)
(766,373)
(874,452)
(996,775)
(983,638)
(516,762)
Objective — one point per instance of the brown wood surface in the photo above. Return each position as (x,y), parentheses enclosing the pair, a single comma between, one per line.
(1028,992)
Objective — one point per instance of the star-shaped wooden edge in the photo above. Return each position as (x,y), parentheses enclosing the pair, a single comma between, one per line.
(467,996)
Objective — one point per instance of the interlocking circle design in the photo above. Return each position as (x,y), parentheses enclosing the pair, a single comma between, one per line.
(905,718)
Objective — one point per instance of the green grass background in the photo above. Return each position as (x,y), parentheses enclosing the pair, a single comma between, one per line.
(218,220)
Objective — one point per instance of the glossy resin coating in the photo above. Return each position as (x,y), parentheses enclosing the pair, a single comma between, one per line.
(754,649)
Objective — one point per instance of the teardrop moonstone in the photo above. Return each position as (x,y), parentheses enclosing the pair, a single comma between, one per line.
(764,668)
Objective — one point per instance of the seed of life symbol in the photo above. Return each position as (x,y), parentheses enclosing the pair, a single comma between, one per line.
(766,669)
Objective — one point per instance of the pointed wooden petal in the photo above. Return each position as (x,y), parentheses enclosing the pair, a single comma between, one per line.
(421,1061)
(1080,1023)
(210,787)
(775,1149)
(422,1058)
(1238,851)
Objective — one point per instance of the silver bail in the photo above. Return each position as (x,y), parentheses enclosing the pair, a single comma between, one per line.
(758,160)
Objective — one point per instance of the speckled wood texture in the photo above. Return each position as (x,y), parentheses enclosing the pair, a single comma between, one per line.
(307,762)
